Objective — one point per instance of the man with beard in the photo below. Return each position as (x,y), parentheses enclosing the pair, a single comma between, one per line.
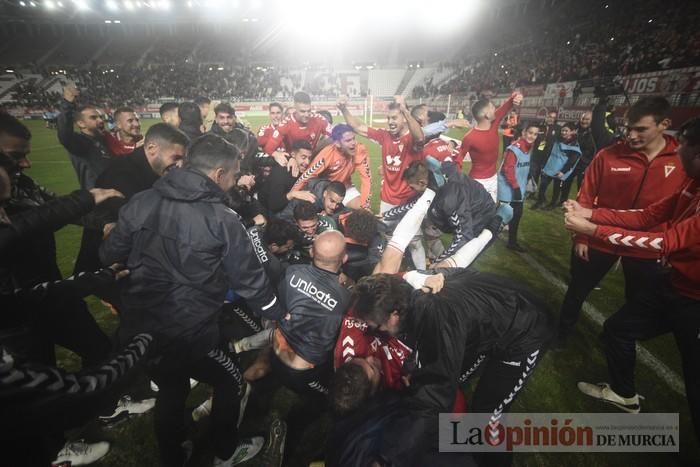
(126,136)
(482,141)
(274,182)
(400,144)
(190,120)
(303,124)
(164,148)
(337,162)
(88,149)
(266,131)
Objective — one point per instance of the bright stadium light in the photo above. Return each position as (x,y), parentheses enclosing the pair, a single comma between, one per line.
(81,5)
(60,4)
(22,4)
(128,5)
(49,5)
(116,21)
(112,5)
(165,4)
(108,21)
(32,4)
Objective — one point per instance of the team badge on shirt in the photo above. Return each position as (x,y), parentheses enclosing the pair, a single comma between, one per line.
(668,168)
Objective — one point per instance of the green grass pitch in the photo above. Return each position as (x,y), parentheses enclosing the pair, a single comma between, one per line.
(552,388)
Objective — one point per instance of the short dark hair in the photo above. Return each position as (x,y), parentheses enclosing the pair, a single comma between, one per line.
(302,98)
(78,115)
(9,125)
(278,232)
(339,130)
(375,297)
(301,144)
(168,107)
(336,187)
(417,108)
(655,106)
(305,211)
(201,100)
(393,106)
(479,107)
(167,133)
(570,125)
(190,114)
(209,152)
(122,110)
(528,124)
(350,388)
(224,107)
(416,170)
(690,131)
(276,104)
(327,115)
(434,117)
(360,225)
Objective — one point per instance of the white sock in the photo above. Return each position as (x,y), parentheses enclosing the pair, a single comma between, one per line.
(469,251)
(411,222)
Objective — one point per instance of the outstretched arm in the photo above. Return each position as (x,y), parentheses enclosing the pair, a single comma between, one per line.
(413,126)
(356,124)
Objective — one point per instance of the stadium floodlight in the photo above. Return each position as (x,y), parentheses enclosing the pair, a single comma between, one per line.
(189,4)
(60,4)
(32,4)
(112,5)
(165,4)
(81,5)
(128,5)
(220,68)
(49,5)
(108,21)
(9,70)
(116,21)
(22,4)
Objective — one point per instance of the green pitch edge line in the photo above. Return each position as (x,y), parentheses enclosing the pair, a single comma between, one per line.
(589,311)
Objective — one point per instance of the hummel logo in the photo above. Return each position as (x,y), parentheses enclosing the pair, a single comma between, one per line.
(511,363)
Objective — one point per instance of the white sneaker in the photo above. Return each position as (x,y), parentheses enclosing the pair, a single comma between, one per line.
(202,410)
(82,453)
(127,407)
(604,392)
(247,449)
(193,384)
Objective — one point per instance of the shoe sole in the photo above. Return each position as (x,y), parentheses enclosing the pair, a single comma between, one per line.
(626,408)
(273,456)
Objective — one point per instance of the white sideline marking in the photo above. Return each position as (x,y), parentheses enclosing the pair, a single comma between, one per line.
(657,366)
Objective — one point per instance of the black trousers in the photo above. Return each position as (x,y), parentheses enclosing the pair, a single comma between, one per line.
(498,386)
(545,180)
(651,312)
(566,184)
(514,223)
(586,275)
(223,375)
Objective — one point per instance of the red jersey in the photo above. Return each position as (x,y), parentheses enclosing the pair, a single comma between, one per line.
(622,178)
(482,146)
(354,342)
(265,133)
(333,165)
(438,149)
(117,147)
(397,155)
(678,240)
(291,130)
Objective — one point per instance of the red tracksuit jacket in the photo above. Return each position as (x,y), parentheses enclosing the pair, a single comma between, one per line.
(621,178)
(678,238)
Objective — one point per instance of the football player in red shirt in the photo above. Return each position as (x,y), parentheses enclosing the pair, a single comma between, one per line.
(303,124)
(265,132)
(482,141)
(400,144)
(126,136)
(670,227)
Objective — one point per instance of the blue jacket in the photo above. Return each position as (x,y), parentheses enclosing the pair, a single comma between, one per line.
(563,158)
(522,169)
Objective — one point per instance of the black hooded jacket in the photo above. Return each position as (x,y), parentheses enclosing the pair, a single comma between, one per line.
(185,248)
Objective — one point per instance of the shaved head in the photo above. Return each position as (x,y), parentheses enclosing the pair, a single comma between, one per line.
(328,251)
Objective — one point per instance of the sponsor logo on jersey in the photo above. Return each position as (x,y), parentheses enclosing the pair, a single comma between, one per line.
(621,169)
(310,290)
(255,239)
